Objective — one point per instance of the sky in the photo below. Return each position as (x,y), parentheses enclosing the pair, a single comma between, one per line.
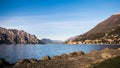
(55,19)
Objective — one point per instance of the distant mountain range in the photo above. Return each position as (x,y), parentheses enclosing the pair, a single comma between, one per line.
(13,36)
(106,32)
(49,41)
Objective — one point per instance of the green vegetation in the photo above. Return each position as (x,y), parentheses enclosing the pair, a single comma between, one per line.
(110,63)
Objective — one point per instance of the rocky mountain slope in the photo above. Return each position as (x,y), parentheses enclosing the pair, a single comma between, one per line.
(13,36)
(106,32)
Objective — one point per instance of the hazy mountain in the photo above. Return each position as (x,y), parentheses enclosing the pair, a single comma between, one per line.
(106,32)
(46,41)
(49,41)
(13,36)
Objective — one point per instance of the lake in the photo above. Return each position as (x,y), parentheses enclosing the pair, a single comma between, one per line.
(13,53)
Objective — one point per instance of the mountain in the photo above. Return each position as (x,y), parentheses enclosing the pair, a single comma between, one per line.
(49,41)
(106,32)
(13,36)
(46,41)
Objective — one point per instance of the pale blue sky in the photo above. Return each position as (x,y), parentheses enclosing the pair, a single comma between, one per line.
(55,19)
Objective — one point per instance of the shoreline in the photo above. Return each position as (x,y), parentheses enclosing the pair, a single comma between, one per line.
(74,59)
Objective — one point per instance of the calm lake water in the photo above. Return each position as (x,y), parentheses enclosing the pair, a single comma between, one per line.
(13,53)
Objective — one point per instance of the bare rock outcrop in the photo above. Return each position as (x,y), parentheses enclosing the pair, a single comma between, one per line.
(13,36)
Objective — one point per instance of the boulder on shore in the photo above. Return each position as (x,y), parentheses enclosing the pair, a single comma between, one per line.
(22,61)
(33,60)
(106,55)
(74,54)
(55,58)
(45,58)
(64,56)
(3,63)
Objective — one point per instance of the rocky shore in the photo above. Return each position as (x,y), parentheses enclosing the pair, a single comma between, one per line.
(71,60)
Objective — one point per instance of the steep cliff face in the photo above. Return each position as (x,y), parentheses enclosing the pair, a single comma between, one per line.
(106,32)
(13,36)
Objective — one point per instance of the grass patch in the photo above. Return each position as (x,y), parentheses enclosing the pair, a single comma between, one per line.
(110,63)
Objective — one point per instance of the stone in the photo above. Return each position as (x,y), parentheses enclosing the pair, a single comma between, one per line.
(22,61)
(73,54)
(45,58)
(64,56)
(106,55)
(16,64)
(55,57)
(118,49)
(106,50)
(29,65)
(33,60)
(93,52)
(80,53)
(3,63)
